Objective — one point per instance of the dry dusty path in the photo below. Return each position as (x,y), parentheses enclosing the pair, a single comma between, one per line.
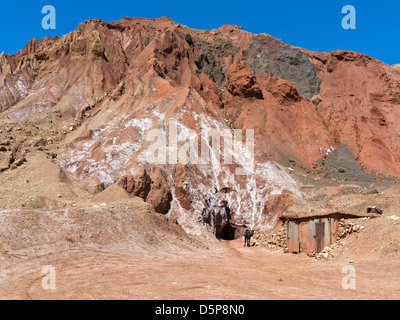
(231,272)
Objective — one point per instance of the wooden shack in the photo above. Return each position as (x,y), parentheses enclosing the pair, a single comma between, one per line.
(311,233)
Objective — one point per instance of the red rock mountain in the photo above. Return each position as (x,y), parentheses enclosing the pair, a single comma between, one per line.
(108,86)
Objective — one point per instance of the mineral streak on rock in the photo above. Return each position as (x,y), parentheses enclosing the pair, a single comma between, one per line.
(102,88)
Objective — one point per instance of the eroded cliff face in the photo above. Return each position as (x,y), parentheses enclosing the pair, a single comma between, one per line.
(360,107)
(108,91)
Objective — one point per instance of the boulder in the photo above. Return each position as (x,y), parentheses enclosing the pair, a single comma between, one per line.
(151,188)
(160,196)
(139,185)
(242,82)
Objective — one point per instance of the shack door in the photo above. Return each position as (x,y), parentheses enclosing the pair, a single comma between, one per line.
(293,237)
(319,234)
(322,233)
(311,237)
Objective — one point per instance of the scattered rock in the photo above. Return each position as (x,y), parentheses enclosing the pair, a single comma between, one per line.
(374,210)
(19,162)
(316,100)
(41,142)
(118,90)
(5,161)
(4,143)
(342,170)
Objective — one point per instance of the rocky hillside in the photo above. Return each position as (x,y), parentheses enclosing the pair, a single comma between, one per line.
(95,99)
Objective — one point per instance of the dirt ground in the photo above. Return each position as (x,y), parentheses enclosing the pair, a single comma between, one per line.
(101,249)
(112,246)
(228,271)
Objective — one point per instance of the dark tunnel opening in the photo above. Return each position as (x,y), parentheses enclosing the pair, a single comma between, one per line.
(227,233)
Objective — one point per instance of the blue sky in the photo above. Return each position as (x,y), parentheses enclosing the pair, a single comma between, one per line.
(310,24)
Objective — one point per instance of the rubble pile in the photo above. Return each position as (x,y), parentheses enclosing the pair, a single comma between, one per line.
(276,241)
(346,227)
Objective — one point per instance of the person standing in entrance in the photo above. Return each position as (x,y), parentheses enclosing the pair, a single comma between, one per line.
(247,236)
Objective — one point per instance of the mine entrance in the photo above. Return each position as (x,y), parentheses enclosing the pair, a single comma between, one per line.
(229,230)
(227,233)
